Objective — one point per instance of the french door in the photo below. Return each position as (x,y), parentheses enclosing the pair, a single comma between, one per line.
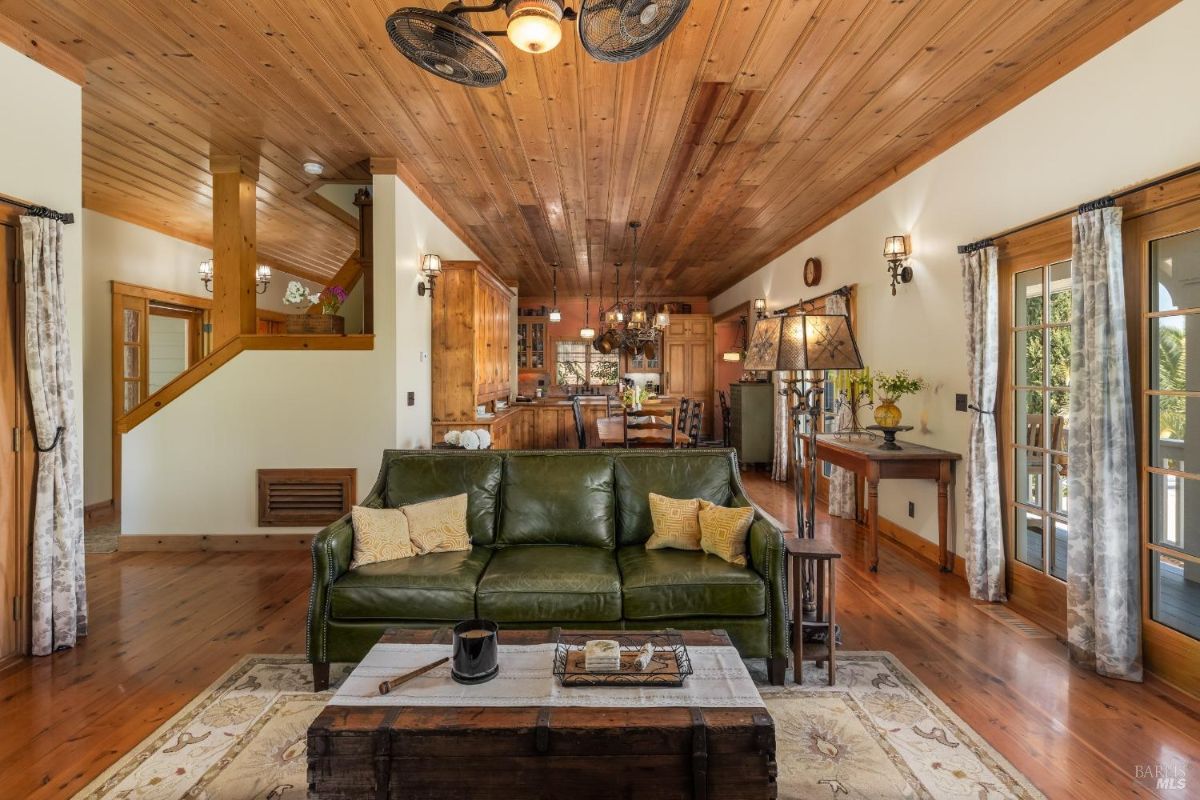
(17,464)
(1164,246)
(1035,279)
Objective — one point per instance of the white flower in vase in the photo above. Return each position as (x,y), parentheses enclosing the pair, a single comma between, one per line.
(297,294)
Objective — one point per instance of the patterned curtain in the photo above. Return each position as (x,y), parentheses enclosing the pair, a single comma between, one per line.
(842,501)
(779,466)
(985,529)
(1103,600)
(59,590)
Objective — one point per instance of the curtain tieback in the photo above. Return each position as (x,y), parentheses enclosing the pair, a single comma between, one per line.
(57,438)
(976,408)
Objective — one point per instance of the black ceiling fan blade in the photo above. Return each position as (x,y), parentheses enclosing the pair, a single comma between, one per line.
(446,46)
(622,30)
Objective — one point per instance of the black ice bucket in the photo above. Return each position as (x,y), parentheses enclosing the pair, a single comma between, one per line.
(476,656)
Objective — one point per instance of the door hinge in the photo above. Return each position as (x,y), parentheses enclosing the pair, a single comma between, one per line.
(16,440)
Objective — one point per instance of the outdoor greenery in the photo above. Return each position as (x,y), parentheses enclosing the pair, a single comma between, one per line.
(1172,375)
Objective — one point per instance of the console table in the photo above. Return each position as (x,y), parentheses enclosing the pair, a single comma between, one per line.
(863,457)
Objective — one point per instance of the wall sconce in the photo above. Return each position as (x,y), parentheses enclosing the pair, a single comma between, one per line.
(206,274)
(760,307)
(262,276)
(895,250)
(431,266)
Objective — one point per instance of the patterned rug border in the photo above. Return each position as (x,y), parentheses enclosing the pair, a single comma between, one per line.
(158,732)
(963,731)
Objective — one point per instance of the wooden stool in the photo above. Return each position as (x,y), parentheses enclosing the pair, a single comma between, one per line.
(822,555)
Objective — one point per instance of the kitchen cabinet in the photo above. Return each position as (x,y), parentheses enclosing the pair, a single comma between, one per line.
(532,344)
(471,341)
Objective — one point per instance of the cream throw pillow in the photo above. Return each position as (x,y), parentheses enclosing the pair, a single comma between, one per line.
(438,526)
(380,534)
(676,523)
(723,531)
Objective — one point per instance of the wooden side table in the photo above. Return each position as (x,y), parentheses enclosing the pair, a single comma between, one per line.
(823,555)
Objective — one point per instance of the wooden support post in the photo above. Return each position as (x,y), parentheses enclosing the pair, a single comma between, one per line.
(235,255)
(366,256)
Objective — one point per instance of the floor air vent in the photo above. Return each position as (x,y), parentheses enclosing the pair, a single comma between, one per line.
(304,496)
(1023,626)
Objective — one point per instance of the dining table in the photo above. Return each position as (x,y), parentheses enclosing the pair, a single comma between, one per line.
(611,434)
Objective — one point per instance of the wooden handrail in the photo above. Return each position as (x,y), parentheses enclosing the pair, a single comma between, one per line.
(347,277)
(222,355)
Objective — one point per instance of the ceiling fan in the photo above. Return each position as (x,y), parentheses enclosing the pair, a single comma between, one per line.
(444,43)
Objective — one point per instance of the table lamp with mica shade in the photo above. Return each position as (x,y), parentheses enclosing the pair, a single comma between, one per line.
(802,348)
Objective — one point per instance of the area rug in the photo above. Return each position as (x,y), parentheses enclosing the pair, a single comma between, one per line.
(880,733)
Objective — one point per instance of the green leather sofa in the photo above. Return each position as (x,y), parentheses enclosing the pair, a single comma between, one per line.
(558,540)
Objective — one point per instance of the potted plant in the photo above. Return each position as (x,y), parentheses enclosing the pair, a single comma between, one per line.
(890,389)
(330,300)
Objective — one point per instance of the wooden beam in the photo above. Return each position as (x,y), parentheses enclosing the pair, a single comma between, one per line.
(366,255)
(234,251)
(44,52)
(334,210)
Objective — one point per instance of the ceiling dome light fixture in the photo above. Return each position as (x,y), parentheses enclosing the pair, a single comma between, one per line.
(313,168)
(535,26)
(445,44)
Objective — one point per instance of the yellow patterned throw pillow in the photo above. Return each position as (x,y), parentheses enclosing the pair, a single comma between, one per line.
(438,526)
(380,534)
(723,531)
(676,523)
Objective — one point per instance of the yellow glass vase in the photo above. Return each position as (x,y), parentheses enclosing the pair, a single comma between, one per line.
(887,414)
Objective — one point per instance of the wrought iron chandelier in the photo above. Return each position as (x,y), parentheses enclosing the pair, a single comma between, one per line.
(627,325)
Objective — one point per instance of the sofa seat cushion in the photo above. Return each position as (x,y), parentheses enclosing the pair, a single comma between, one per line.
(435,587)
(661,584)
(536,583)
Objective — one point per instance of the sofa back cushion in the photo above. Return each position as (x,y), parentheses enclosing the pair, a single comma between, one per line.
(418,477)
(558,498)
(671,473)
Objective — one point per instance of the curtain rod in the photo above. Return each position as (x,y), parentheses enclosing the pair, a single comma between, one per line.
(844,291)
(1109,198)
(39,211)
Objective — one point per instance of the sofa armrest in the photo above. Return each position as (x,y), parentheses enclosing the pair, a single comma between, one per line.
(332,550)
(769,559)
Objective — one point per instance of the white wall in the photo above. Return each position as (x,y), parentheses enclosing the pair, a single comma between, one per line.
(190,468)
(41,162)
(115,250)
(1126,116)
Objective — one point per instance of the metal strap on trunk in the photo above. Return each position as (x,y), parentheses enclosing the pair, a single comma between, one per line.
(383,754)
(699,755)
(542,735)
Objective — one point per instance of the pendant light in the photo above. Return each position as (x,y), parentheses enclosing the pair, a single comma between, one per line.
(555,313)
(587,332)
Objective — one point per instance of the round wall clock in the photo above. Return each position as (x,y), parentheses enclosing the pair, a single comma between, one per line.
(812,272)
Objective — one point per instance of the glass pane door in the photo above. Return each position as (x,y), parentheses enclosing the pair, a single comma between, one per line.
(1041,377)
(1173,392)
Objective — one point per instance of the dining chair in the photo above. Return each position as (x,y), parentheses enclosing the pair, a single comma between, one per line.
(685,405)
(664,423)
(693,425)
(580,428)
(608,405)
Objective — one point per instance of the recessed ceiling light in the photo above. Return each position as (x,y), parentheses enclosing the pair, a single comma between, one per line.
(313,168)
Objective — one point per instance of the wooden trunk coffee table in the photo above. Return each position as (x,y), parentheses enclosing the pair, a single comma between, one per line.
(410,749)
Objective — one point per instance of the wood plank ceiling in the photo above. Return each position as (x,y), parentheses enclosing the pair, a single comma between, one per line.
(757,122)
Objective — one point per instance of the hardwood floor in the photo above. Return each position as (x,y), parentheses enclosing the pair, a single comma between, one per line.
(165,625)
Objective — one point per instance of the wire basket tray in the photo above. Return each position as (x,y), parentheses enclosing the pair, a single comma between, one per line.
(669,667)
